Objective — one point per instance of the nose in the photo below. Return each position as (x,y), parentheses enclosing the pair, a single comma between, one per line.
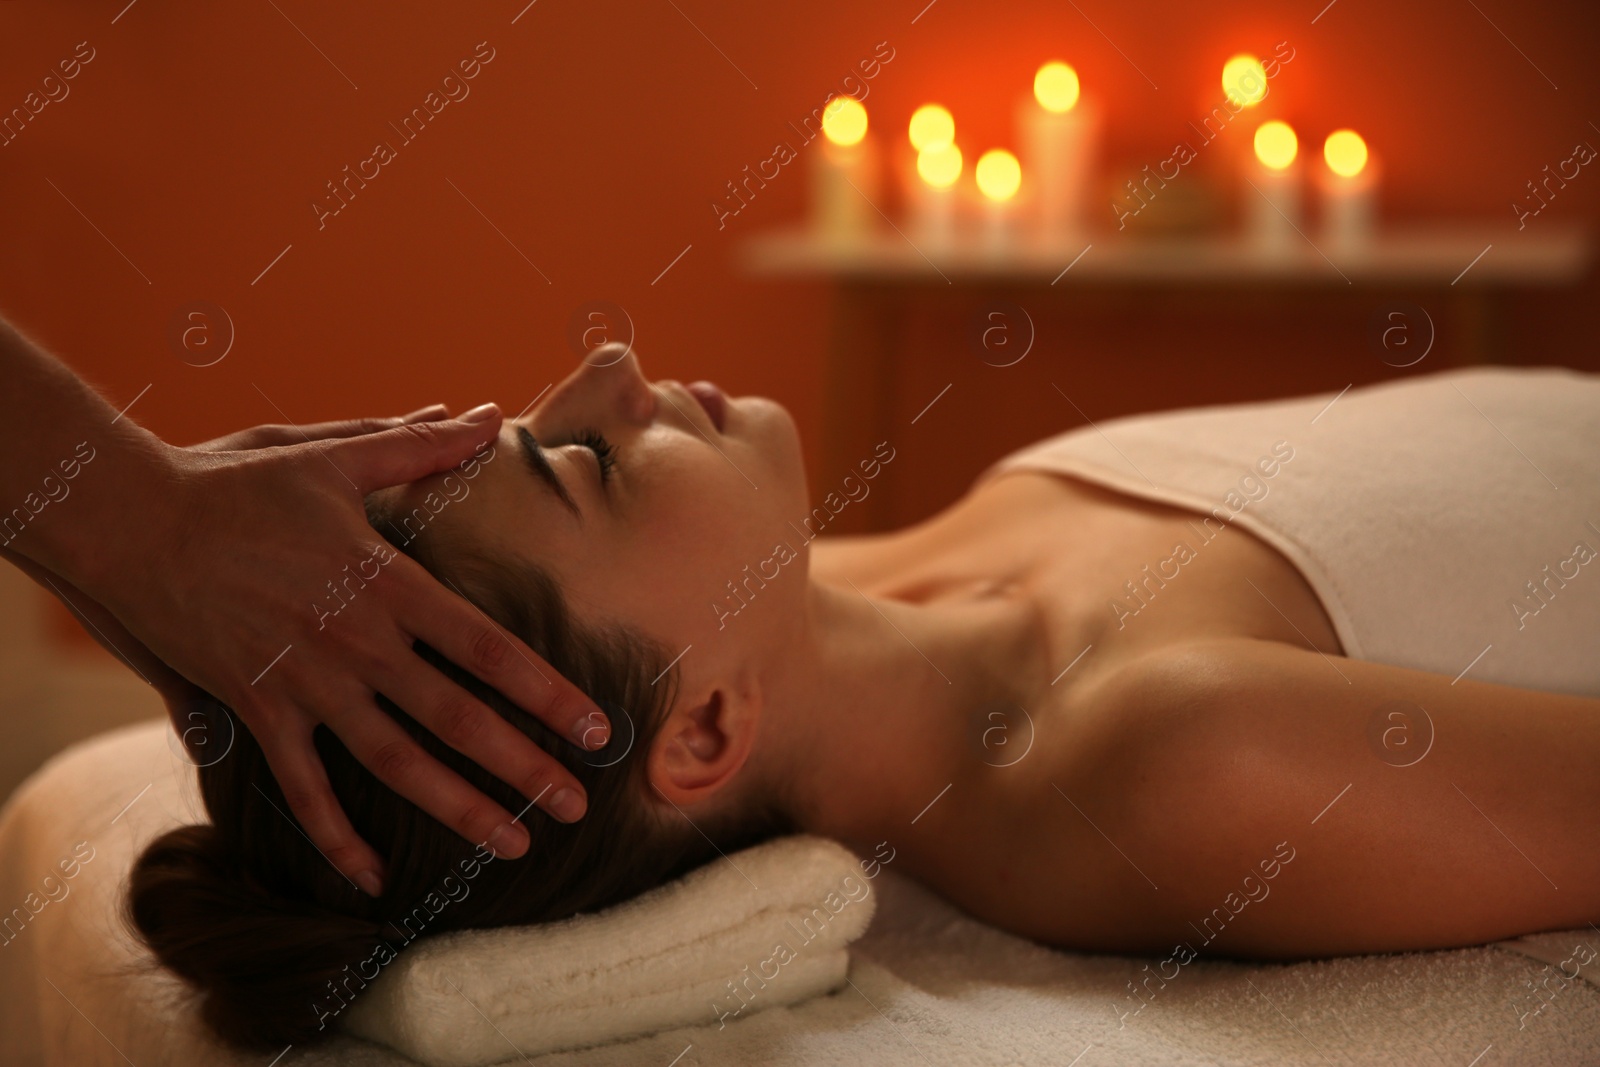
(609,384)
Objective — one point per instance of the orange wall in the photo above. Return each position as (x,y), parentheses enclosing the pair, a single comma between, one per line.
(597,140)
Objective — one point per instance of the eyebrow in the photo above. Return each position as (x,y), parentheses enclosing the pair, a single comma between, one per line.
(534,455)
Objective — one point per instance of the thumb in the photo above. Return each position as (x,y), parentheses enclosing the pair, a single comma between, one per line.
(416,450)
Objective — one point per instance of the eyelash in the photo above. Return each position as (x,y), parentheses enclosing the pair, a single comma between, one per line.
(603,451)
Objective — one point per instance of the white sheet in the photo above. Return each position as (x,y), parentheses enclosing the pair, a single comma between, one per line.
(927,985)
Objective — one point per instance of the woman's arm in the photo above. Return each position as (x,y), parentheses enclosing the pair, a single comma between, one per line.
(1419,812)
(214,561)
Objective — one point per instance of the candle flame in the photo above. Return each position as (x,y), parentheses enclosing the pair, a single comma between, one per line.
(931,127)
(1055,86)
(844,120)
(1244,79)
(1345,152)
(999,174)
(1276,144)
(939,166)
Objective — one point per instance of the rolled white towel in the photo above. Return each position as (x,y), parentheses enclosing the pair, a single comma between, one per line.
(765,926)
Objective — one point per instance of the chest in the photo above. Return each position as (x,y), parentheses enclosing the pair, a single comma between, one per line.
(1107,572)
(1112,579)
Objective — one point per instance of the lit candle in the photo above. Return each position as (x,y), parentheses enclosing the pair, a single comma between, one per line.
(1349,188)
(998,175)
(932,192)
(1244,79)
(932,126)
(844,173)
(934,206)
(1274,202)
(1059,129)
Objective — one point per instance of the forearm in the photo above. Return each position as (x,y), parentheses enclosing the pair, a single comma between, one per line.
(71,469)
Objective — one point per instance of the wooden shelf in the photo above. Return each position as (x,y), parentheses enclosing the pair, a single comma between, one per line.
(1467,271)
(1444,255)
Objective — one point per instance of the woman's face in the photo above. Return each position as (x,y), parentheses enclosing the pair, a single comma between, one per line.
(643,500)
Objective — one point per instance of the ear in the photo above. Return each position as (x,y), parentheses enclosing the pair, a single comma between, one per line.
(704,744)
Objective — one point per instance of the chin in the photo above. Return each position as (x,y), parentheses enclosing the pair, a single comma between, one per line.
(771,431)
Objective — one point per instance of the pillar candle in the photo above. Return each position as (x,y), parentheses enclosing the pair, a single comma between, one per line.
(1348,186)
(932,194)
(998,176)
(844,174)
(1059,131)
(1273,194)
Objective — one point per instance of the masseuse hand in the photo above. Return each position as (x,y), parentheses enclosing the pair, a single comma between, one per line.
(259,534)
(205,564)
(179,694)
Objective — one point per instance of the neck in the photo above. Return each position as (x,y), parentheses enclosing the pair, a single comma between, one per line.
(882,703)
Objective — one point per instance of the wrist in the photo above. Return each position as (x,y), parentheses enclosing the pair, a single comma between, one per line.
(128,487)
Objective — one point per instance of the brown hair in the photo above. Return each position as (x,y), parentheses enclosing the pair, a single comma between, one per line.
(279,942)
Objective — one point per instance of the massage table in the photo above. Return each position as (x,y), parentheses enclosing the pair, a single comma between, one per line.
(926,985)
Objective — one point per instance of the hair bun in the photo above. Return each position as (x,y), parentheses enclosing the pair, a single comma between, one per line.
(263,963)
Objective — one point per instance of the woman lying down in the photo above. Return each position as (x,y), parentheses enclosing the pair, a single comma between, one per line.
(1339,665)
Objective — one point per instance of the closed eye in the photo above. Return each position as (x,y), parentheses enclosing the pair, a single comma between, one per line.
(604,452)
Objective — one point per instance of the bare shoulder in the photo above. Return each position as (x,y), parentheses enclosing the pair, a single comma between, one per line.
(1248,679)
(1417,811)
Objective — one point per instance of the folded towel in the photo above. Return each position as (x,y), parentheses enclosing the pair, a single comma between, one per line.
(762,927)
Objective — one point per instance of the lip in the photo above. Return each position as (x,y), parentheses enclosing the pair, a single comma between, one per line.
(713,400)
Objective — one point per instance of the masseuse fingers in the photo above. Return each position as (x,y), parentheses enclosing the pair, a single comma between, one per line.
(461,632)
(306,789)
(271,435)
(476,731)
(341,429)
(416,449)
(394,757)
(470,639)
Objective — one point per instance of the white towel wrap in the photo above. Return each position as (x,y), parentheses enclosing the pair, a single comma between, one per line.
(1439,518)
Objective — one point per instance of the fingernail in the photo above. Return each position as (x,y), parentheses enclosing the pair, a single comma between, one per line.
(592,732)
(368,881)
(432,411)
(481,413)
(508,841)
(566,805)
